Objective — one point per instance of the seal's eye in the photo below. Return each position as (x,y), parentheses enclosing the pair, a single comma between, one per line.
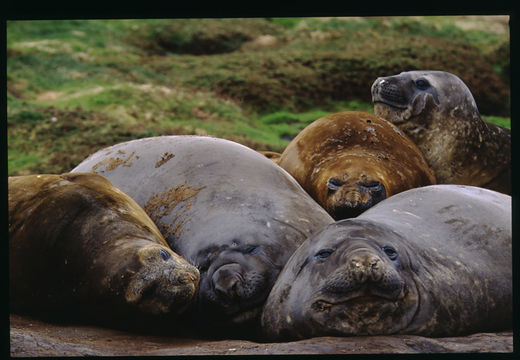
(323,253)
(334,184)
(390,252)
(165,255)
(422,84)
(252,250)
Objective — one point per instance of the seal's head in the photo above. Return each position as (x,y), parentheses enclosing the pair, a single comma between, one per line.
(350,161)
(156,280)
(439,114)
(238,272)
(346,190)
(352,278)
(421,98)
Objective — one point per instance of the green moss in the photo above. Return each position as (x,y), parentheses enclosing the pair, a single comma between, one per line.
(76,86)
(497,120)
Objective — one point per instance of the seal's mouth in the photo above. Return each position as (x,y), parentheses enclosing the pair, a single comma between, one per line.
(364,295)
(397,115)
(246,316)
(361,298)
(162,296)
(239,312)
(233,296)
(392,105)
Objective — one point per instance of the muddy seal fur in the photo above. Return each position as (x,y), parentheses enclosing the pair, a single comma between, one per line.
(79,248)
(350,161)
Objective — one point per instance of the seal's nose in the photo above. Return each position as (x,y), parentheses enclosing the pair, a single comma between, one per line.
(365,266)
(389,90)
(227,281)
(352,202)
(375,88)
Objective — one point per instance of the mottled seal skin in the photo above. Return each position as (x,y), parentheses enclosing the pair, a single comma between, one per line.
(224,207)
(79,248)
(430,261)
(437,111)
(350,161)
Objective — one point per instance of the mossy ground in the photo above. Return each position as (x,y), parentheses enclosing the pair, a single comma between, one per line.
(77,86)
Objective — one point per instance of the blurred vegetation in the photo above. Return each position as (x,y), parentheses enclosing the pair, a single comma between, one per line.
(75,86)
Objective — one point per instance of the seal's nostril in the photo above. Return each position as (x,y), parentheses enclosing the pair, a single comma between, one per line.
(234,289)
(227,288)
(227,283)
(220,291)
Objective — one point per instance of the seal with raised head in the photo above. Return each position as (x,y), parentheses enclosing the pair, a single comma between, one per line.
(438,112)
(350,161)
(79,248)
(224,207)
(430,261)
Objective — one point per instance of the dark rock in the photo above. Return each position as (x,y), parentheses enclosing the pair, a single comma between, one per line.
(31,337)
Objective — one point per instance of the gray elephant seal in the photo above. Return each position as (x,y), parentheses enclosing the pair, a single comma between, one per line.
(437,111)
(225,208)
(79,248)
(431,261)
(350,161)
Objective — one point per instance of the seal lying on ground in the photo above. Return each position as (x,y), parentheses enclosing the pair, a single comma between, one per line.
(437,111)
(431,261)
(351,160)
(80,248)
(224,207)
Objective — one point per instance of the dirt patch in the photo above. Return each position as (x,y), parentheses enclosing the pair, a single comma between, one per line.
(112,163)
(498,24)
(31,337)
(162,204)
(49,96)
(164,158)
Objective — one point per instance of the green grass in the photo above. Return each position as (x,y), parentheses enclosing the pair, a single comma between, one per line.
(75,86)
(498,120)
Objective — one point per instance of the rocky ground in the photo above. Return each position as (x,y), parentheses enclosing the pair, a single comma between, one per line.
(31,337)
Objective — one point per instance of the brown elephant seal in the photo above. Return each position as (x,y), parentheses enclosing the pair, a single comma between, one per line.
(437,111)
(222,206)
(430,261)
(351,160)
(79,248)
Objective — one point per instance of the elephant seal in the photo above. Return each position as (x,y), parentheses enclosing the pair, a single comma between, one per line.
(79,248)
(350,161)
(437,111)
(224,207)
(430,261)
